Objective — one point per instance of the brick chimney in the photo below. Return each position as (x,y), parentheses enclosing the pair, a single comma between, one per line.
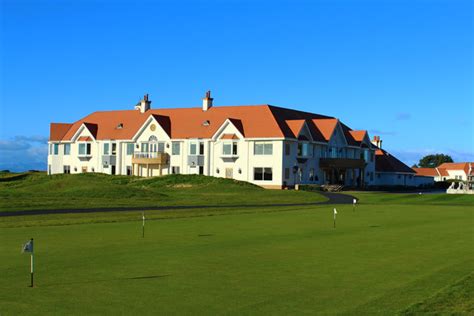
(377,141)
(207,101)
(144,104)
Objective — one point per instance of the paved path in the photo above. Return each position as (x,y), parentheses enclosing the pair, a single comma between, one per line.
(333,198)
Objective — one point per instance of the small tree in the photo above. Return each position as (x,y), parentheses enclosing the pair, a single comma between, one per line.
(433,161)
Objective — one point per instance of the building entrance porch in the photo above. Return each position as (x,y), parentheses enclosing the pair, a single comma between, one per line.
(343,171)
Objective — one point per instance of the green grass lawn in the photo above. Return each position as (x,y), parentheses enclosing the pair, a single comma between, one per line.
(413,198)
(381,259)
(38,191)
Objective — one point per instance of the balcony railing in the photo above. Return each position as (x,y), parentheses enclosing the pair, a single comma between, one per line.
(147,155)
(150,158)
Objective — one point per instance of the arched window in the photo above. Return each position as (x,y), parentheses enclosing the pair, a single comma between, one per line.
(153,139)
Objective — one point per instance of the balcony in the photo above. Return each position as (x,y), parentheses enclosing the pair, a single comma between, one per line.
(341,163)
(229,157)
(84,156)
(150,158)
(109,160)
(195,160)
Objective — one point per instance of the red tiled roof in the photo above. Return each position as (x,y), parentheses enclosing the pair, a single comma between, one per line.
(252,121)
(326,126)
(295,126)
(58,130)
(428,172)
(282,115)
(384,162)
(455,166)
(443,172)
(358,135)
(229,136)
(351,138)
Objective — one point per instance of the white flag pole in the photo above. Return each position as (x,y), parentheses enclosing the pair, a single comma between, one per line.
(354,202)
(335,212)
(143,224)
(32,262)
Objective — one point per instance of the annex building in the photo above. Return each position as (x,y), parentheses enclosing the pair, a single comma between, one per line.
(266,145)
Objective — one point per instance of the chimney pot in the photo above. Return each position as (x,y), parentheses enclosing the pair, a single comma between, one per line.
(207,101)
(144,104)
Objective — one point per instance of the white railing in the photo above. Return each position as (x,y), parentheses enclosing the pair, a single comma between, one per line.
(147,155)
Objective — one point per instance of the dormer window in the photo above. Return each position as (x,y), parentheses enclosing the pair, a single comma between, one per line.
(120,126)
(229,149)
(206,123)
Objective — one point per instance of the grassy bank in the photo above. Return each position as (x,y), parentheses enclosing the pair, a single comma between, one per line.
(38,191)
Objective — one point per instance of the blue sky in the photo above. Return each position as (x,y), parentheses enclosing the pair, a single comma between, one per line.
(400,69)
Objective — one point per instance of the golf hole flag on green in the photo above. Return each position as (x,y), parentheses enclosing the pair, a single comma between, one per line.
(335,213)
(28,247)
(143,224)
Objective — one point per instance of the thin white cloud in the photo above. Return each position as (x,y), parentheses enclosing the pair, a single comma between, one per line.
(33,139)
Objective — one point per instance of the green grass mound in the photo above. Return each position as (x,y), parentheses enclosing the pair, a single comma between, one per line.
(192,182)
(28,191)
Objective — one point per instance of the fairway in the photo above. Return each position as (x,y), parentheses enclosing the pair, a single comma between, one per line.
(381,259)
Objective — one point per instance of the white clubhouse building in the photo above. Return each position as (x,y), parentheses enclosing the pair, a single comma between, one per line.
(266,145)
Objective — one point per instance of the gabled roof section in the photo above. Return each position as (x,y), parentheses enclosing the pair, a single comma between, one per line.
(443,172)
(281,115)
(58,130)
(385,162)
(92,127)
(164,122)
(295,126)
(359,136)
(326,126)
(349,135)
(234,122)
(109,122)
(238,125)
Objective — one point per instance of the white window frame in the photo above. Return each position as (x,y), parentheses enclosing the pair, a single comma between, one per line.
(234,149)
(267,149)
